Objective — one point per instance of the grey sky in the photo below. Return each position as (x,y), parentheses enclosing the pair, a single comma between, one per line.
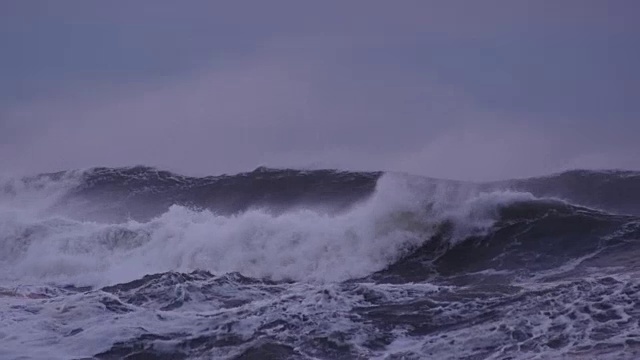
(462,89)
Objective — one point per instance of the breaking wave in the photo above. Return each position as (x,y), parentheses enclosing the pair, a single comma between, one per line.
(287,264)
(298,242)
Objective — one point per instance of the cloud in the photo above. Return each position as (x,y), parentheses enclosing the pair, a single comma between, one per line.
(451,89)
(206,116)
(279,102)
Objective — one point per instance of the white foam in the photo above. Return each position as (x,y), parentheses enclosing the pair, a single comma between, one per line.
(298,245)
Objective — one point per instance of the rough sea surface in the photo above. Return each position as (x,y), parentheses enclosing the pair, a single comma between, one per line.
(137,263)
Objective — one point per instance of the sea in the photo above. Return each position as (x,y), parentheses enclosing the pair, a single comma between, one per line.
(141,263)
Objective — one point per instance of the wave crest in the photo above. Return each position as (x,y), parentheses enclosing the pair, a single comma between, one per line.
(302,244)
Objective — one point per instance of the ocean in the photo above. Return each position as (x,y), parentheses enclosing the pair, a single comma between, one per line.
(139,263)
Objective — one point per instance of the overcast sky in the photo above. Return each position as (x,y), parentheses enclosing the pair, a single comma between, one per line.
(458,89)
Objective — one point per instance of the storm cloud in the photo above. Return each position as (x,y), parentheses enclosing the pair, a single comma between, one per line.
(457,89)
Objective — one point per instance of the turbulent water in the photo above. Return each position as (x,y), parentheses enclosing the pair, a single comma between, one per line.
(138,263)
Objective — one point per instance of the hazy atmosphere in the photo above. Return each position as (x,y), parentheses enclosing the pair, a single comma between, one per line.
(535,254)
(455,89)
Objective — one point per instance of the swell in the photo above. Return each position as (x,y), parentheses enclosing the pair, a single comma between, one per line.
(528,238)
(616,191)
(149,191)
(141,193)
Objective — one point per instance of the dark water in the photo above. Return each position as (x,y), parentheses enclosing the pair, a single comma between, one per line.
(138,263)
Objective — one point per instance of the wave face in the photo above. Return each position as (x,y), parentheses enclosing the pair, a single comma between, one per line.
(318,264)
